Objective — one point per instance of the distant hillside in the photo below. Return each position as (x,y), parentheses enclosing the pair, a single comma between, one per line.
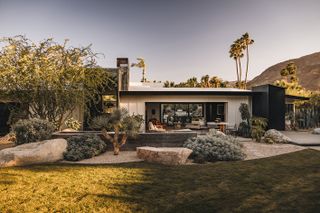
(308,72)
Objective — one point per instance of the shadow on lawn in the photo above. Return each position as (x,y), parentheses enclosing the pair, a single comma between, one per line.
(283,183)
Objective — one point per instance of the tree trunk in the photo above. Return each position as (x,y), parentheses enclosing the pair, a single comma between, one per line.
(247,68)
(116,149)
(240,74)
(237,69)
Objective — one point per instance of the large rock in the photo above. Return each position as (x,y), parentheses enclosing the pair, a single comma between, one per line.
(164,155)
(33,153)
(316,131)
(274,136)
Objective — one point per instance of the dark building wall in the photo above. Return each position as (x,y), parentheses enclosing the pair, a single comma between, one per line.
(4,117)
(269,101)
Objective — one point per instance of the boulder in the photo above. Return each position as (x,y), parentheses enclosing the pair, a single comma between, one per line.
(316,131)
(164,155)
(33,153)
(274,136)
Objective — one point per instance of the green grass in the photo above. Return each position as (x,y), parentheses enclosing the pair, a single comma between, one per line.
(287,183)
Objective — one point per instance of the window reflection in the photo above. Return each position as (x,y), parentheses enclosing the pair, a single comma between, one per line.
(183,113)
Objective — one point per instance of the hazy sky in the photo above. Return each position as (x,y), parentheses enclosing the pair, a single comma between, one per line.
(178,38)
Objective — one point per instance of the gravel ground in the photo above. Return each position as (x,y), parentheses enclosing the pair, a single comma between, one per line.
(109,158)
(256,150)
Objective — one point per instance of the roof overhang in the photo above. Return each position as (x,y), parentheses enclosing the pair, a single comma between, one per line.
(217,93)
(298,98)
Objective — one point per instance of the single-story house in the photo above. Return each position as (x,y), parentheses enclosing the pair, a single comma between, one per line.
(176,108)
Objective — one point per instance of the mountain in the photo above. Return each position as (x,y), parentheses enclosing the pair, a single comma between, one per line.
(308,72)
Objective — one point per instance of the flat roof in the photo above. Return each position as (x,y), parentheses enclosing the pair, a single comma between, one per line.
(157,89)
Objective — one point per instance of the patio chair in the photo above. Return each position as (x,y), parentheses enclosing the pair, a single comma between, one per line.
(231,129)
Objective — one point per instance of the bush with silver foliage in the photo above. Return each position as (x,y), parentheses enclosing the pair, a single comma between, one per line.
(215,147)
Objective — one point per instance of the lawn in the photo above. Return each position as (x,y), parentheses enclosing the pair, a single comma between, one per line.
(287,183)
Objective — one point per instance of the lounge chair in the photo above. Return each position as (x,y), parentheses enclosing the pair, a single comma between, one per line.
(153,128)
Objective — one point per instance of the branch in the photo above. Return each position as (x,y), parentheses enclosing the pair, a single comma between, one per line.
(106,135)
(123,140)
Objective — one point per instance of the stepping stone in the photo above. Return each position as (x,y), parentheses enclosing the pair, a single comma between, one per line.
(164,155)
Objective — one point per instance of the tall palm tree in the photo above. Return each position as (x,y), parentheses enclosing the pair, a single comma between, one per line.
(233,54)
(246,41)
(236,52)
(141,64)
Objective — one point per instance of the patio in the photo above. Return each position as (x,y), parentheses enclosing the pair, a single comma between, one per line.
(303,138)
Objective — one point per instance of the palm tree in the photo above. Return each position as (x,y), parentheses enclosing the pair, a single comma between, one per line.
(236,52)
(192,82)
(141,64)
(215,82)
(233,54)
(246,41)
(205,81)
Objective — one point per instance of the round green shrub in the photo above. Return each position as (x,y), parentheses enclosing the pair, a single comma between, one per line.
(32,130)
(84,147)
(215,147)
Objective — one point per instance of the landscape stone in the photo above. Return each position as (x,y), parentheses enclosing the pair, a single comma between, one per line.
(33,153)
(316,131)
(274,136)
(164,155)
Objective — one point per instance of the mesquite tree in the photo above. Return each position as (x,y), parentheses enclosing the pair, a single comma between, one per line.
(121,123)
(48,80)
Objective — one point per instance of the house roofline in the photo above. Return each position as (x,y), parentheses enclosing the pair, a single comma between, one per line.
(218,93)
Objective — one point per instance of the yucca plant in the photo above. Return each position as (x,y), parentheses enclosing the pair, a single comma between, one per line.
(123,125)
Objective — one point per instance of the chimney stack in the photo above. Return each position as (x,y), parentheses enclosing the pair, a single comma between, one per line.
(123,73)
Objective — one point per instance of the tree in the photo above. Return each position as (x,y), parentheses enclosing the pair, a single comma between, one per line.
(291,81)
(141,64)
(121,123)
(246,42)
(49,80)
(236,52)
(205,82)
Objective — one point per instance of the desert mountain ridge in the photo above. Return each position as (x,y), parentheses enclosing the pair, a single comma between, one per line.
(308,72)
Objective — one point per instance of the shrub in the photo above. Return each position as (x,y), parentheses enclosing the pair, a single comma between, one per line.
(32,130)
(83,147)
(258,128)
(215,147)
(73,124)
(244,130)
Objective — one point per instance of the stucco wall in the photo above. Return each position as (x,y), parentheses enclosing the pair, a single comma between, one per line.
(136,104)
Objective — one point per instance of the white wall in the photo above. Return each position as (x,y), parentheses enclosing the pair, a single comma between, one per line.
(136,103)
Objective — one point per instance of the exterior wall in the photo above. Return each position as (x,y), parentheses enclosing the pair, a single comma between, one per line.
(136,104)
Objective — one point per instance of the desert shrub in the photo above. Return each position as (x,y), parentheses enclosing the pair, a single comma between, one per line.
(215,147)
(244,130)
(73,124)
(83,147)
(32,130)
(258,127)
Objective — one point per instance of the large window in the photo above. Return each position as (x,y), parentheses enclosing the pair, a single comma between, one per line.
(180,112)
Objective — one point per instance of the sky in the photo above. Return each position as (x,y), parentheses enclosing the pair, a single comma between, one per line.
(178,39)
